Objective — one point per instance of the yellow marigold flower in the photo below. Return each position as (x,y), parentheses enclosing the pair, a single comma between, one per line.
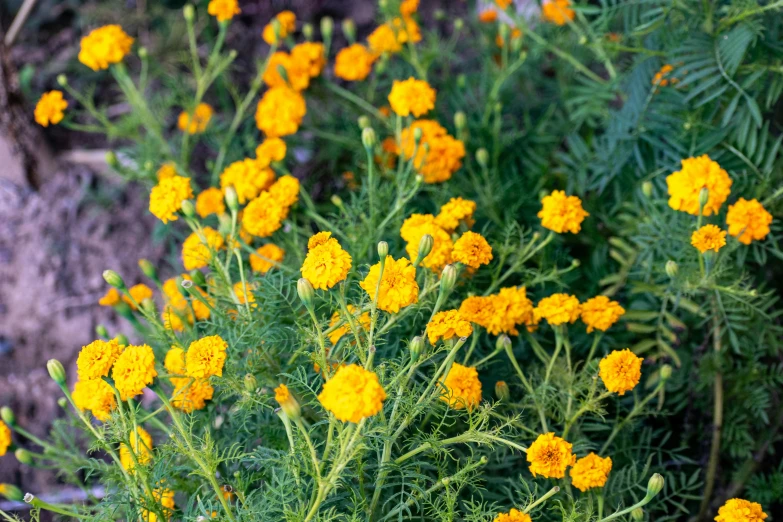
(411,96)
(549,456)
(352,394)
(167,170)
(140,445)
(445,153)
(134,370)
(296,73)
(262,260)
(417,226)
(506,310)
(165,497)
(408,7)
(192,394)
(477,309)
(50,108)
(708,237)
(280,112)
(558,12)
(95,395)
(488,16)
(590,472)
(409,231)
(175,366)
(223,10)
(390,37)
(362,320)
(559,309)
(96,359)
(270,151)
(104,46)
(110,298)
(748,220)
(167,196)
(456,211)
(197,253)
(600,313)
(198,124)
(285,191)
(139,293)
(620,371)
(354,63)
(248,177)
(206,357)
(244,293)
(310,57)
(287,21)
(513,516)
(739,510)
(264,215)
(462,387)
(398,286)
(406,30)
(326,263)
(448,325)
(174,319)
(696,174)
(661,77)
(210,201)
(562,213)
(472,250)
(5,438)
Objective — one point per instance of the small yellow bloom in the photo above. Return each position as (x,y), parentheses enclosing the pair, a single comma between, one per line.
(472,250)
(140,446)
(174,363)
(462,387)
(202,114)
(110,298)
(280,111)
(708,237)
(263,216)
(326,263)
(448,325)
(600,313)
(411,96)
(167,170)
(549,456)
(390,37)
(191,394)
(270,151)
(95,395)
(248,177)
(262,260)
(50,108)
(104,46)
(558,12)
(661,78)
(134,370)
(444,156)
(309,56)
(296,73)
(287,21)
(748,220)
(456,211)
(164,497)
(408,7)
(197,253)
(398,286)
(167,196)
(352,394)
(414,228)
(96,359)
(590,472)
(561,213)
(620,371)
(244,293)
(513,516)
(361,321)
(5,438)
(739,510)
(354,63)
(559,309)
(285,191)
(488,16)
(210,201)
(139,293)
(206,357)
(223,10)
(174,319)
(697,173)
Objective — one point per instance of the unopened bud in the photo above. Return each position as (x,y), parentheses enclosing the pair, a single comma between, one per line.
(368,138)
(122,340)
(232,200)
(349,30)
(502,391)
(637,514)
(337,201)
(503,32)
(383,249)
(582,40)
(704,196)
(462,81)
(198,278)
(416,347)
(439,14)
(148,305)
(425,247)
(11,492)
(655,485)
(102,332)
(666,372)
(143,53)
(482,157)
(460,120)
(188,209)
(282,72)
(307,31)
(188,12)
(23,456)
(575,263)
(503,343)
(647,189)
(448,278)
(62,80)
(672,268)
(251,384)
(114,279)
(417,134)
(148,269)
(111,159)
(7,414)
(458,24)
(363,121)
(327,27)
(62,402)
(288,403)
(306,292)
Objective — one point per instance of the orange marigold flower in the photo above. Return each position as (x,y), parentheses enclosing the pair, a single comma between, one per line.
(513,516)
(280,111)
(110,298)
(361,320)
(310,57)
(167,196)
(549,456)
(167,170)
(139,293)
(202,114)
(248,177)
(326,263)
(445,153)
(210,201)
(462,387)
(390,37)
(408,7)
(5,438)
(270,151)
(266,258)
(472,250)
(590,472)
(488,16)
(708,237)
(558,12)
(661,77)
(352,394)
(448,325)
(141,446)
(748,220)
(223,10)
(507,309)
(96,359)
(285,191)
(477,309)
(134,370)
(620,371)
(456,211)
(561,213)
(196,253)
(264,215)
(50,108)
(95,395)
(600,313)
(697,173)
(296,72)
(411,96)
(398,287)
(354,63)
(104,46)
(503,4)
(559,309)
(740,510)
(206,357)
(192,394)
(287,21)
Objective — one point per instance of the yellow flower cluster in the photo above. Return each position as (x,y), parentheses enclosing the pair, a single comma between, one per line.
(192,395)
(167,196)
(5,438)
(590,472)
(558,309)
(265,257)
(192,391)
(600,313)
(140,447)
(196,124)
(686,184)
(411,96)
(134,370)
(178,310)
(352,394)
(462,387)
(457,211)
(561,213)
(354,63)
(398,287)
(748,220)
(740,510)
(448,325)
(501,312)
(326,263)
(95,395)
(558,12)
(50,108)
(287,24)
(391,36)
(206,357)
(620,371)
(472,250)
(104,46)
(248,177)
(513,516)
(223,10)
(271,150)
(362,321)
(280,111)
(549,456)
(197,252)
(708,237)
(305,61)
(443,157)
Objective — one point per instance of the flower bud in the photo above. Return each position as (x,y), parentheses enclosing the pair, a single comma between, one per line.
(7,414)
(448,278)
(502,391)
(56,371)
(198,278)
(62,80)
(458,24)
(101,331)
(148,305)
(363,121)
(23,456)
(704,196)
(122,340)
(582,40)
(188,12)
(503,32)
(143,53)
(417,134)
(462,81)
(666,372)
(672,268)
(425,247)
(647,189)
(188,209)
(111,159)
(503,343)
(114,279)
(655,485)
(62,402)
(307,31)
(251,384)
(349,30)
(416,347)
(637,514)
(276,27)
(368,138)
(306,291)
(327,27)
(337,201)
(148,269)
(231,199)
(11,492)
(482,157)
(460,120)
(383,249)
(288,404)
